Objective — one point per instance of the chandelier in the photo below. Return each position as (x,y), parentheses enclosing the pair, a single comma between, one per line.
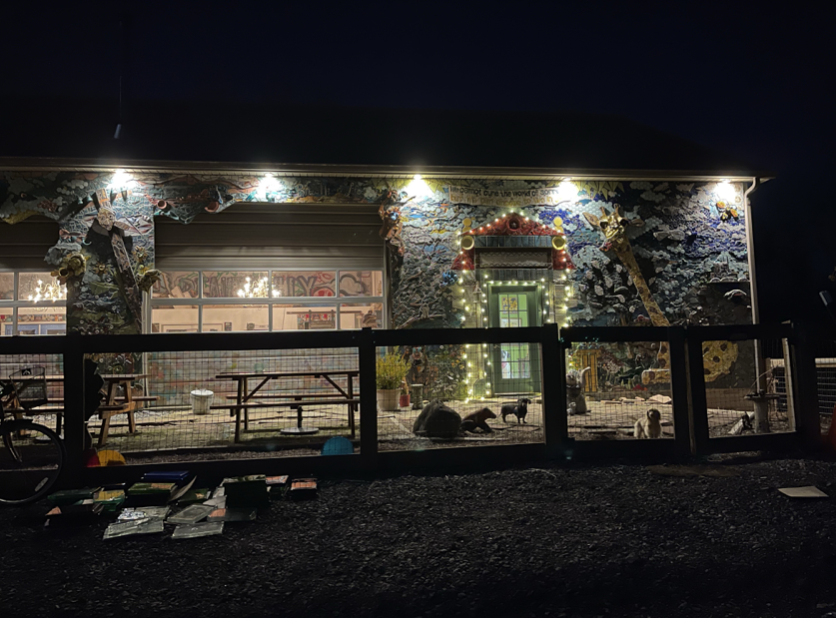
(258,289)
(50,292)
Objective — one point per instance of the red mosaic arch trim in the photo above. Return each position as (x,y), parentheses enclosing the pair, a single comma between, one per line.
(513,225)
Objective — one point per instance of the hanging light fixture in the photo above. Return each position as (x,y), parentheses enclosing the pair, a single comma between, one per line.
(256,290)
(52,292)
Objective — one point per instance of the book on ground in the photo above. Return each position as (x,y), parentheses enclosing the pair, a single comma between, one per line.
(191,531)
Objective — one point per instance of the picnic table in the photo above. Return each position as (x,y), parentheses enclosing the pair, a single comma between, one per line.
(247,398)
(115,403)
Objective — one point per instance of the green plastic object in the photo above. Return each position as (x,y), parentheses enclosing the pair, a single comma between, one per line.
(71,496)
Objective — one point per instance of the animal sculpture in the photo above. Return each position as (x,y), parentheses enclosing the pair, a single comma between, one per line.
(575,399)
(437,420)
(478,420)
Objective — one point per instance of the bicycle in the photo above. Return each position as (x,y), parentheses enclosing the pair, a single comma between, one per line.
(31,455)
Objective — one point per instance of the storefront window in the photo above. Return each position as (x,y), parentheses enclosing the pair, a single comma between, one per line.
(235,284)
(361,316)
(178,284)
(361,283)
(234,318)
(304,317)
(304,283)
(176,319)
(7,286)
(179,306)
(38,308)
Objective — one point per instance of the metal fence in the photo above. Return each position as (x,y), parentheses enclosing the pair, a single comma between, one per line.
(243,402)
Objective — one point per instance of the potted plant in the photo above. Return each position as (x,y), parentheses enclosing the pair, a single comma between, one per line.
(404,399)
(391,370)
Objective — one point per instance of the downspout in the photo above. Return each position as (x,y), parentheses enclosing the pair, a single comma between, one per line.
(761,412)
(750,249)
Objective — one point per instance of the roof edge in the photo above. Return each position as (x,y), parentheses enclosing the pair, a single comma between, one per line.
(46,164)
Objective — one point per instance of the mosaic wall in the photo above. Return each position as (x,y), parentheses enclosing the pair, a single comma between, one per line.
(688,239)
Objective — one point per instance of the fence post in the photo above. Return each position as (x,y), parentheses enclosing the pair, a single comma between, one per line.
(368,399)
(805,384)
(698,419)
(74,421)
(555,423)
(679,389)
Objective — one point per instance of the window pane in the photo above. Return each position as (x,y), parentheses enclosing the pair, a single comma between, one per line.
(178,284)
(234,318)
(43,319)
(300,317)
(174,319)
(295,284)
(7,286)
(235,284)
(361,316)
(361,283)
(40,287)
(6,322)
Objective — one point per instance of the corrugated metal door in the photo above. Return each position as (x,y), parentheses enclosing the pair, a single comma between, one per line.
(273,236)
(24,245)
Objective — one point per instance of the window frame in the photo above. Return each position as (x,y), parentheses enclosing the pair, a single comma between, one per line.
(335,301)
(14,304)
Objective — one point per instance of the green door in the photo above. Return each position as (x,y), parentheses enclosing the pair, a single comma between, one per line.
(516,365)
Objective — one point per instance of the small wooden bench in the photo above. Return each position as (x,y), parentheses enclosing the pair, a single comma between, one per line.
(53,406)
(298,403)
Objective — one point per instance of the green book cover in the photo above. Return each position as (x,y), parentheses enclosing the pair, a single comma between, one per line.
(194,495)
(146,489)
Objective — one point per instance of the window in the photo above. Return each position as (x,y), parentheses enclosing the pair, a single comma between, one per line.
(32,303)
(204,301)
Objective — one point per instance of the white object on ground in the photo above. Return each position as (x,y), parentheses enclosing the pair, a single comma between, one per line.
(809,491)
(201,401)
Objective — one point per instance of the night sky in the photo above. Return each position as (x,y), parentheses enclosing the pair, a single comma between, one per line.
(753,83)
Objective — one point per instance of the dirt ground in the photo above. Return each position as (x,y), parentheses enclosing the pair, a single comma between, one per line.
(710,539)
(169,435)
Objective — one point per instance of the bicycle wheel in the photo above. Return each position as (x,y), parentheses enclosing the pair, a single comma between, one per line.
(31,458)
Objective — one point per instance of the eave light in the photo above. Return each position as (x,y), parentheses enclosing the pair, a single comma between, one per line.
(418,187)
(725,191)
(120,180)
(567,190)
(268,184)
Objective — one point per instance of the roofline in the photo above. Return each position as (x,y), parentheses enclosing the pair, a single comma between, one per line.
(46,164)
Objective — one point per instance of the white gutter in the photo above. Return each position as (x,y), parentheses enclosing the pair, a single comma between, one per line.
(214,168)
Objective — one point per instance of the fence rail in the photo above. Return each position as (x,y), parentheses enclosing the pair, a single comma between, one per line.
(689,405)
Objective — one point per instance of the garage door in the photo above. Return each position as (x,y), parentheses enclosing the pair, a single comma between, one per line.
(273,236)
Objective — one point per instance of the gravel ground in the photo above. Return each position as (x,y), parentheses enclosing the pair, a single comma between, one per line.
(711,539)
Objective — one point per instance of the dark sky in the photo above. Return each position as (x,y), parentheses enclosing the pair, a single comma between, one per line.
(752,82)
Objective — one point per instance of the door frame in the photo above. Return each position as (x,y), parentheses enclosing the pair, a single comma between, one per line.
(535,318)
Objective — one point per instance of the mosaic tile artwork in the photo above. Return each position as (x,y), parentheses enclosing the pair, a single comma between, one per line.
(688,239)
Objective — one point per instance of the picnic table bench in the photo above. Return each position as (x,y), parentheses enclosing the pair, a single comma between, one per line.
(248,399)
(115,404)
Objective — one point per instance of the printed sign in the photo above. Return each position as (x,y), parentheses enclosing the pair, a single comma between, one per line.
(491,197)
